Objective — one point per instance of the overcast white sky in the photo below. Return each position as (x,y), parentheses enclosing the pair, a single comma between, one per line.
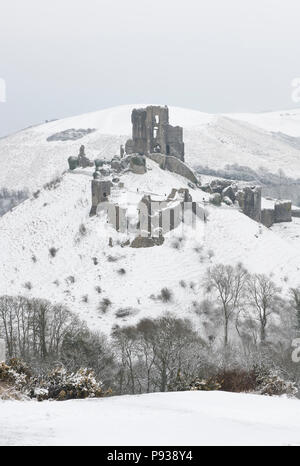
(65,57)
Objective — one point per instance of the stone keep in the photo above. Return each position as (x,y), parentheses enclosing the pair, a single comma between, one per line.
(2,351)
(151,132)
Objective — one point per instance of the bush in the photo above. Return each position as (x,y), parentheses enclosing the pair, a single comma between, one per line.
(53,251)
(122,271)
(16,373)
(104,305)
(272,384)
(166,295)
(85,298)
(28,285)
(82,230)
(54,183)
(70,280)
(59,384)
(112,258)
(237,380)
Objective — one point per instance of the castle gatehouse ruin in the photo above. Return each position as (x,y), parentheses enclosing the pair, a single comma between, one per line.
(151,132)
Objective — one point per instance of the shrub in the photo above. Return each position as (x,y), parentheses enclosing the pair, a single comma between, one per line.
(95,260)
(121,271)
(28,285)
(98,289)
(125,312)
(166,295)
(85,298)
(70,279)
(16,372)
(33,258)
(112,258)
(62,385)
(204,384)
(54,183)
(53,251)
(182,283)
(272,384)
(104,305)
(237,380)
(82,230)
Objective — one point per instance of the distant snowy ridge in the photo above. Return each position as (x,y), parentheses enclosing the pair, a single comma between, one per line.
(210,140)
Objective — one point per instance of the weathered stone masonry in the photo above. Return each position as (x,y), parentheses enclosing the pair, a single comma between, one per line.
(151,132)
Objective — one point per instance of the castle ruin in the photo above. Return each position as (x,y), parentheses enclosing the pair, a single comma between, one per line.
(151,132)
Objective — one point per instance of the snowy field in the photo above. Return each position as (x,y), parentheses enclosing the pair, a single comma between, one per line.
(189,418)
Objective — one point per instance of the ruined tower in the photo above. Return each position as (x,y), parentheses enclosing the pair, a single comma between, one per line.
(151,132)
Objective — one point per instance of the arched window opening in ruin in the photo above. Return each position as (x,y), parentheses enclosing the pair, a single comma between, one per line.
(157,119)
(168,149)
(157,148)
(155,131)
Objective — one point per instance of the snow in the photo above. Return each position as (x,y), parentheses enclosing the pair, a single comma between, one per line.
(210,140)
(287,122)
(53,219)
(185,418)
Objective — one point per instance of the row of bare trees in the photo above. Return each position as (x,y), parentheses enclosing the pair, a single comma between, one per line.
(149,355)
(43,334)
(152,353)
(244,297)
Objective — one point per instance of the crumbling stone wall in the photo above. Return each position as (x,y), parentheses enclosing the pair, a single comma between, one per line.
(283,211)
(174,165)
(152,133)
(250,202)
(100,192)
(80,161)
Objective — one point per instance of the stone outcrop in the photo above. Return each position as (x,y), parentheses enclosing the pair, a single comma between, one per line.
(145,242)
(137,164)
(151,132)
(229,192)
(80,161)
(215,199)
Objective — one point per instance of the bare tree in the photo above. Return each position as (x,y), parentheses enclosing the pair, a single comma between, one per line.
(228,283)
(295,293)
(263,297)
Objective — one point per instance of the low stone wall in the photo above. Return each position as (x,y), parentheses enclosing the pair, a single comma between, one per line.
(283,211)
(174,165)
(268,217)
(296,213)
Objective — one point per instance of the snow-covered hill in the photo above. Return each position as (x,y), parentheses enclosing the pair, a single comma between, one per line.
(85,270)
(253,140)
(182,418)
